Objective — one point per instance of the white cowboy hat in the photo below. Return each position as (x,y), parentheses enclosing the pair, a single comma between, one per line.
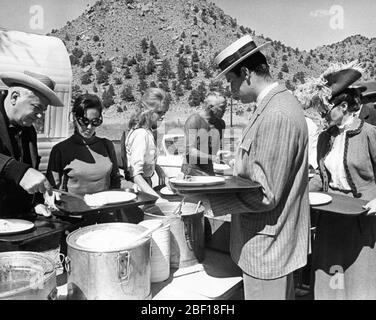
(38,82)
(236,53)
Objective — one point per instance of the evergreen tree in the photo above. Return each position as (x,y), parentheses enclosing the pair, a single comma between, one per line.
(86,77)
(74,60)
(118,81)
(124,62)
(86,60)
(194,98)
(188,84)
(144,45)
(179,91)
(165,71)
(164,85)
(127,73)
(285,68)
(102,77)
(107,66)
(142,86)
(127,94)
(77,52)
(153,50)
(195,57)
(108,98)
(188,49)
(201,89)
(150,67)
(99,64)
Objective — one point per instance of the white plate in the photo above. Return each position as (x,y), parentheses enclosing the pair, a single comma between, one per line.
(196,181)
(167,192)
(11,226)
(317,198)
(311,175)
(221,166)
(108,197)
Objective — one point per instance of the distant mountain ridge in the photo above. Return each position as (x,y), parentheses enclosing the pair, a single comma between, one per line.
(119,48)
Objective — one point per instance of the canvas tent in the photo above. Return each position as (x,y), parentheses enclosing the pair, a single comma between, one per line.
(21,51)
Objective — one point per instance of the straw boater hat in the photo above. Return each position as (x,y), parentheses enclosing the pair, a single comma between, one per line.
(38,82)
(236,53)
(329,85)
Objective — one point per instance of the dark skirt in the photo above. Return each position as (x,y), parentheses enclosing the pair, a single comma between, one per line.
(344,257)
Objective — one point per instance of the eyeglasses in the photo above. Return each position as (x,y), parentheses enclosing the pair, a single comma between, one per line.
(83,121)
(324,114)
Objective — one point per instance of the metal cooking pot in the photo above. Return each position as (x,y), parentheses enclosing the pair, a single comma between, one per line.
(26,275)
(187,231)
(122,273)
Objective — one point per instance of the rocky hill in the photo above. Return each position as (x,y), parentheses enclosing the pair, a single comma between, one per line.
(120,47)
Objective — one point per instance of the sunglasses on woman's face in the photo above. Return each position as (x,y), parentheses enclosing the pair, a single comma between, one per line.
(83,121)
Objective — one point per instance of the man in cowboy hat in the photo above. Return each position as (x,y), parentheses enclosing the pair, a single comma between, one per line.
(24,102)
(270,225)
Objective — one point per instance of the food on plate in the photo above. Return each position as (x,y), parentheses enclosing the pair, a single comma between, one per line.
(108,197)
(4,225)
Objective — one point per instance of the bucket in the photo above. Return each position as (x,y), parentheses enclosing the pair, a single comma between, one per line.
(160,250)
(105,263)
(26,275)
(187,241)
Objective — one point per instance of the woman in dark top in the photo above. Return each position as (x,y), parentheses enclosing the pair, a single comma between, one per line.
(85,163)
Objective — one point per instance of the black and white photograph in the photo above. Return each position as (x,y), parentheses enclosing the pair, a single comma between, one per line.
(188,154)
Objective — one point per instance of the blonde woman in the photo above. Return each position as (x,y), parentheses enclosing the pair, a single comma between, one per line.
(140,142)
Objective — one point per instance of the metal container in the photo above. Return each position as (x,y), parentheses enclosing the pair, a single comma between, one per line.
(26,275)
(122,273)
(187,237)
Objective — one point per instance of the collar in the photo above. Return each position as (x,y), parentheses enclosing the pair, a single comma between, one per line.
(77,138)
(347,125)
(265,92)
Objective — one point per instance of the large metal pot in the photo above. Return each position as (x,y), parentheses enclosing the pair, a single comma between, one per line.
(26,275)
(187,237)
(121,273)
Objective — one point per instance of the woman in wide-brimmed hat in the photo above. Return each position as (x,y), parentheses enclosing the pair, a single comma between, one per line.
(346,154)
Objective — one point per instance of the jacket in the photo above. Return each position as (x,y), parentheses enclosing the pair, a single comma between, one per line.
(270,226)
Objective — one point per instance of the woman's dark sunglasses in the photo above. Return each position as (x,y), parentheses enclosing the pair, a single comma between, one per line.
(83,121)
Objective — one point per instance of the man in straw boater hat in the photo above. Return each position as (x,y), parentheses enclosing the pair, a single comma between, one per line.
(270,225)
(24,102)
(344,255)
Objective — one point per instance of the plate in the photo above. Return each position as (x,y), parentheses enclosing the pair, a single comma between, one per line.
(196,181)
(317,198)
(167,192)
(12,226)
(108,197)
(311,175)
(221,166)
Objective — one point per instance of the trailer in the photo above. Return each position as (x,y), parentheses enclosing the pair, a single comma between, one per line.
(20,51)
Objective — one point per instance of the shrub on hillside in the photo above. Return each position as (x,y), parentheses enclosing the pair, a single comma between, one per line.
(74,60)
(127,94)
(77,52)
(86,78)
(86,60)
(102,77)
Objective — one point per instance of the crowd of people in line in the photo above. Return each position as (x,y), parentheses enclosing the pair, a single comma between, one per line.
(281,144)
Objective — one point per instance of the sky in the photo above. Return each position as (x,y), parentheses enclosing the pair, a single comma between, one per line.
(305,24)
